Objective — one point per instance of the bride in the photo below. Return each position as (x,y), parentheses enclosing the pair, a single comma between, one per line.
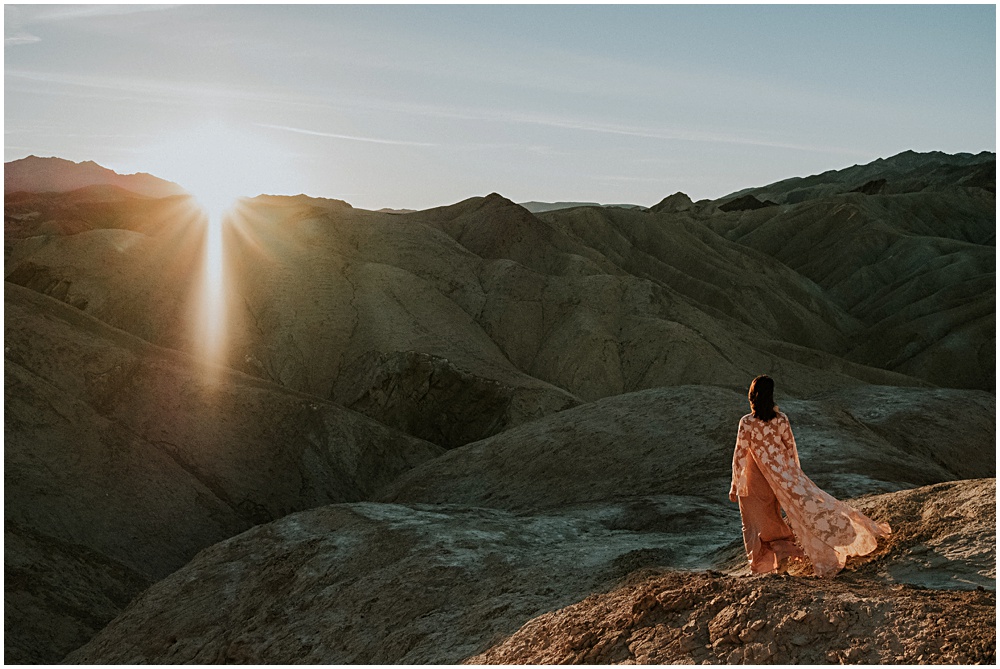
(767,478)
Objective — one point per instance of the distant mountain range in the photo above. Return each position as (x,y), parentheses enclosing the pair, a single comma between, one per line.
(58,175)
(906,172)
(540,207)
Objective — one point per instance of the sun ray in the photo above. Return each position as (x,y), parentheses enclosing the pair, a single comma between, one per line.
(217,164)
(212,319)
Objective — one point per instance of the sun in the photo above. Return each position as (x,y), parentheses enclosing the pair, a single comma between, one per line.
(218,163)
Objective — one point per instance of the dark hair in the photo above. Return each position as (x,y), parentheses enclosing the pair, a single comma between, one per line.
(761,397)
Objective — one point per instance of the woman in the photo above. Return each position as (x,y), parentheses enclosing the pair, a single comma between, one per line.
(767,478)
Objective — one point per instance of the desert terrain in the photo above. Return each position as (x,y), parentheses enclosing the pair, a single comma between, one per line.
(493,433)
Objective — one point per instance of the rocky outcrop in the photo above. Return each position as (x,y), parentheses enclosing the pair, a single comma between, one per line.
(368,583)
(926,595)
(386,583)
(588,302)
(716,619)
(539,207)
(58,594)
(984,177)
(672,204)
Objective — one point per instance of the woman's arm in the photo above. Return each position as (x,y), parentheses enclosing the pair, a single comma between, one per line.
(740,454)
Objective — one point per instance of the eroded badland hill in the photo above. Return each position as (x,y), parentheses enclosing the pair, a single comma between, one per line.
(477,433)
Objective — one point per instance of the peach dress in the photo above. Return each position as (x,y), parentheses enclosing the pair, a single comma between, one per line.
(767,477)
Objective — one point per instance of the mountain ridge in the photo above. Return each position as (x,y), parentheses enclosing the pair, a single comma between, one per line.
(53,174)
(898,171)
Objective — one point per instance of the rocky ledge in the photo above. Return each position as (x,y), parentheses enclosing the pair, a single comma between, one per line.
(392,583)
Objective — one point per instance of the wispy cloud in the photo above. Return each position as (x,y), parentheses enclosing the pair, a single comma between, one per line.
(582,125)
(19,38)
(147,90)
(66,13)
(186,91)
(128,84)
(667,134)
(18,18)
(48,134)
(333,135)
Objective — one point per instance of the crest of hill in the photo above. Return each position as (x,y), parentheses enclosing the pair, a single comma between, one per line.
(907,172)
(47,175)
(300,199)
(390,210)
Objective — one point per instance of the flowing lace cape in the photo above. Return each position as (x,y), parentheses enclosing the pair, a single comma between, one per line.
(827,529)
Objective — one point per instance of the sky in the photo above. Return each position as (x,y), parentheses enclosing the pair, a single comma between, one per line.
(411,106)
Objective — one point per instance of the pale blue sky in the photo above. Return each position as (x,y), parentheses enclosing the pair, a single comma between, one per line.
(417,106)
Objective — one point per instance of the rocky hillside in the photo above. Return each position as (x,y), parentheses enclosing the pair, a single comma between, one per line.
(426,429)
(535,314)
(122,460)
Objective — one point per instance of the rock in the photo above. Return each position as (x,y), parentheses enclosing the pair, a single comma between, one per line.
(586,302)
(961,523)
(805,645)
(673,203)
(907,172)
